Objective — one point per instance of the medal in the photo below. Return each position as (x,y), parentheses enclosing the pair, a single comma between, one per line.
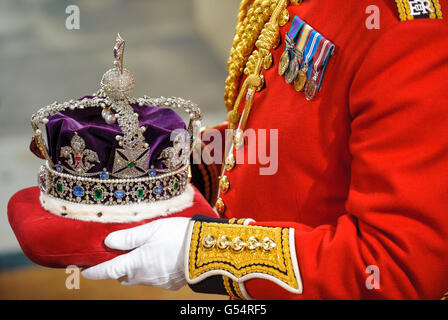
(283,64)
(309,84)
(300,81)
(296,26)
(292,71)
(311,88)
(324,52)
(314,40)
(296,61)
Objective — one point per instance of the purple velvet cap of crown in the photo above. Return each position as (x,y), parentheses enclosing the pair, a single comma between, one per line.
(100,136)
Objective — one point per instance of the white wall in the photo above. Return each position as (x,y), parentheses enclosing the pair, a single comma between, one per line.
(215,21)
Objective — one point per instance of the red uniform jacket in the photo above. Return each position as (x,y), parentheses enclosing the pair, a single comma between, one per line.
(362,168)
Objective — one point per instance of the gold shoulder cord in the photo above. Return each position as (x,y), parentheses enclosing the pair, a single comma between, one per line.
(257,25)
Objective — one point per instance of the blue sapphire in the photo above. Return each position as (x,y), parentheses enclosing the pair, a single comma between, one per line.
(119,194)
(104,175)
(153,173)
(78,191)
(158,190)
(58,168)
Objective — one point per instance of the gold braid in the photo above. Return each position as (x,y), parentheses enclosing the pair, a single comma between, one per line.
(252,17)
(255,28)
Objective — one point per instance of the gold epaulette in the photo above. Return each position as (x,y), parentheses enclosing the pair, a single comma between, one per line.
(412,9)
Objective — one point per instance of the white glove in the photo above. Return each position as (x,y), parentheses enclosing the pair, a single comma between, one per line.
(157,259)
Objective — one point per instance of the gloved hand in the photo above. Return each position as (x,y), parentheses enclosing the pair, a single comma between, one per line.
(157,256)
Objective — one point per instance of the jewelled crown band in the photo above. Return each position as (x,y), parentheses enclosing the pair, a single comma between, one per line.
(130,151)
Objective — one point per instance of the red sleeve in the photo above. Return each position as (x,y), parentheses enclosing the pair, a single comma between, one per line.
(206,161)
(397,208)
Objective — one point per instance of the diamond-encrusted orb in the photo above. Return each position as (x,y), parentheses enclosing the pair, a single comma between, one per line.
(117,85)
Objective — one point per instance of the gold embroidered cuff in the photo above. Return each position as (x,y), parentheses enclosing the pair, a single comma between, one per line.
(233,288)
(242,252)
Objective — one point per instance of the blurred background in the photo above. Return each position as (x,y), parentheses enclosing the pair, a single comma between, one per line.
(173,48)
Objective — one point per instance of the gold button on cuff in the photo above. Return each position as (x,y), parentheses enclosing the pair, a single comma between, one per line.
(220,206)
(208,241)
(223,243)
(253,243)
(230,162)
(224,184)
(238,244)
(268,244)
(283,18)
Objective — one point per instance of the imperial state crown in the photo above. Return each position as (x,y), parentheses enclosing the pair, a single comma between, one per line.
(111,161)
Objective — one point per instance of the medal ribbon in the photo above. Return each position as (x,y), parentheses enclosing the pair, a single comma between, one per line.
(322,65)
(296,26)
(318,56)
(303,39)
(319,53)
(310,50)
(323,47)
(311,84)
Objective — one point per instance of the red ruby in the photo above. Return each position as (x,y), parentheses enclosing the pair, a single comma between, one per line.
(78,159)
(35,149)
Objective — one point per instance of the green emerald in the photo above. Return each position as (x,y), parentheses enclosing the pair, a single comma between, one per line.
(98,194)
(131,164)
(140,193)
(59,187)
(176,186)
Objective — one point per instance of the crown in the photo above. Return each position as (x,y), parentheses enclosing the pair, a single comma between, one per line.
(110,150)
